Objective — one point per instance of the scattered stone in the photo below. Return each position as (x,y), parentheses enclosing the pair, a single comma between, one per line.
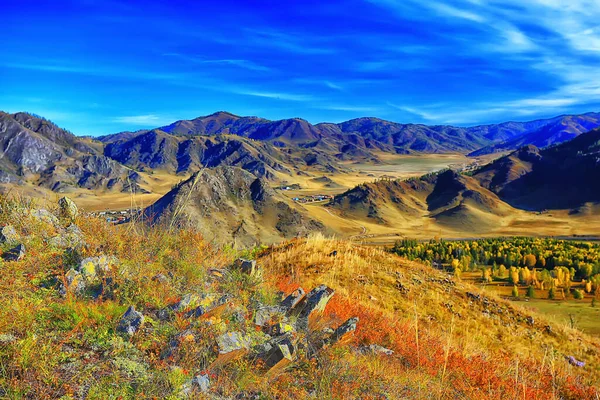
(530,320)
(575,362)
(292,299)
(343,330)
(93,267)
(130,322)
(15,254)
(246,266)
(376,349)
(167,312)
(201,382)
(217,272)
(333,253)
(185,336)
(279,349)
(6,338)
(9,235)
(281,329)
(161,278)
(68,209)
(401,288)
(74,283)
(46,216)
(232,341)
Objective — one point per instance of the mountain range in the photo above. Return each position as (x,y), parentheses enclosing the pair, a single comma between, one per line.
(38,151)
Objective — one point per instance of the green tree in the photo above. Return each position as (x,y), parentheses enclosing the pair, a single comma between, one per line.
(530,292)
(552,293)
(515,291)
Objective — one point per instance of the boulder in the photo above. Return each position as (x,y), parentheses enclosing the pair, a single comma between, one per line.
(277,350)
(292,299)
(264,315)
(313,302)
(46,216)
(245,266)
(15,254)
(74,283)
(93,267)
(72,237)
(9,235)
(130,322)
(232,341)
(343,330)
(167,312)
(67,209)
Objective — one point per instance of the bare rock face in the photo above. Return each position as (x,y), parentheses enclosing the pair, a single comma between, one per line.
(68,209)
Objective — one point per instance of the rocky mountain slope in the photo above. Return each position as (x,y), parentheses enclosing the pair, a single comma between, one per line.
(36,150)
(544,133)
(230,205)
(363,135)
(560,177)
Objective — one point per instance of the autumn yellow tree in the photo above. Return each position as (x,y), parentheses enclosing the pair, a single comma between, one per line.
(529,260)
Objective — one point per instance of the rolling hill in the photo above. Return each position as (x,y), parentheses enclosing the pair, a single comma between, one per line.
(448,198)
(231,206)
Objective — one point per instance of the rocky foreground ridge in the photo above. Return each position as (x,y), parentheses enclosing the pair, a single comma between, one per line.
(93,311)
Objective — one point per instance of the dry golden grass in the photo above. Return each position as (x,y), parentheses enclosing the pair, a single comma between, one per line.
(368,278)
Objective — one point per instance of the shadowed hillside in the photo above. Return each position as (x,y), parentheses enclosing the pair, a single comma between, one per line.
(561,177)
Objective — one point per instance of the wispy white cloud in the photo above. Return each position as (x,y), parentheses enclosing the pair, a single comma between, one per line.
(454,12)
(274,95)
(92,71)
(242,63)
(143,120)
(348,108)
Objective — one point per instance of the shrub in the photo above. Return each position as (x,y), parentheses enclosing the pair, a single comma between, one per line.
(578,294)
(552,293)
(530,292)
(515,291)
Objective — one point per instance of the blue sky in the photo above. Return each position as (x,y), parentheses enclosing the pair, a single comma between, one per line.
(103,66)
